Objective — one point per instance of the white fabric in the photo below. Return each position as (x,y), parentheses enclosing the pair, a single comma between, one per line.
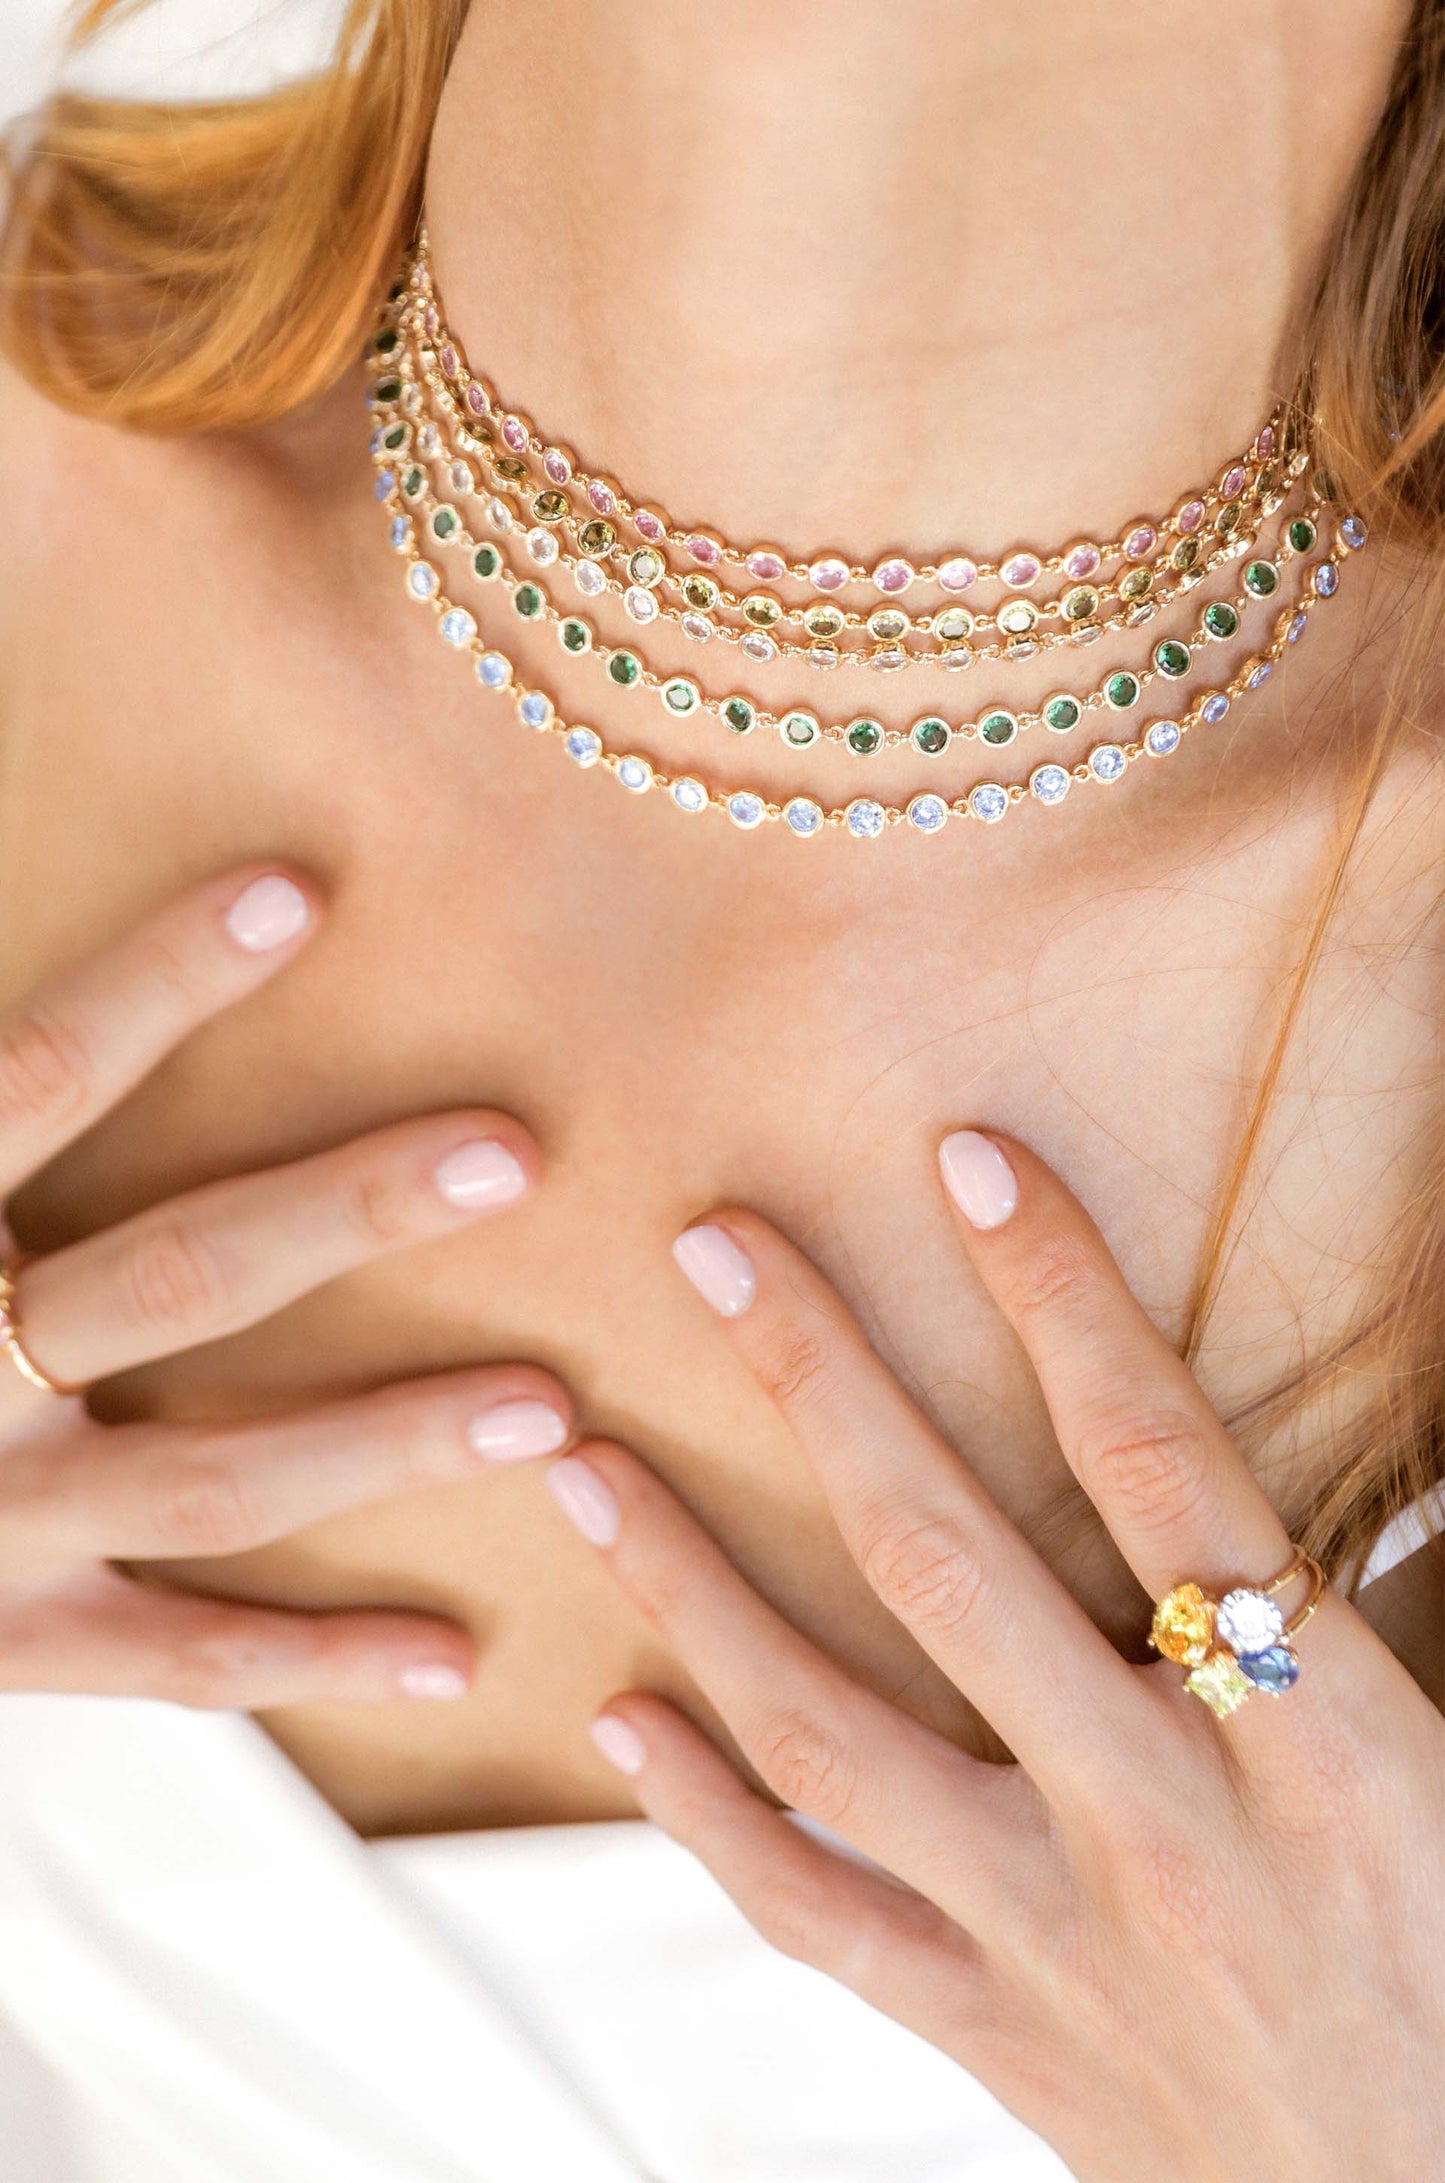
(206,1978)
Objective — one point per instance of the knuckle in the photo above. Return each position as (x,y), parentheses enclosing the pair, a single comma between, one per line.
(1059,1279)
(175,1281)
(176,968)
(45,1072)
(204,1507)
(1151,1468)
(377,1207)
(928,1572)
(797,1366)
(806,1767)
(215,1668)
(785,1918)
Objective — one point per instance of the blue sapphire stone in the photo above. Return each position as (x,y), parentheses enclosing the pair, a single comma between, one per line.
(1275,1670)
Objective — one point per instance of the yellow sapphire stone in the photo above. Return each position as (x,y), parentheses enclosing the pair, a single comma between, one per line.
(1184,1625)
(1221,1683)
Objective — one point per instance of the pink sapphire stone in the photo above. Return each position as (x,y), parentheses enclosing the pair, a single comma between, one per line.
(704,549)
(477,401)
(557,467)
(449,361)
(1232,483)
(433,323)
(957,574)
(602,497)
(1020,570)
(1264,445)
(1190,516)
(829,574)
(1141,541)
(767,566)
(649,526)
(514,432)
(1081,560)
(893,577)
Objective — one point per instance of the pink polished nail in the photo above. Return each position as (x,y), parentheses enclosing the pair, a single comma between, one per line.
(719,1269)
(978,1178)
(432,1679)
(619,1743)
(267,914)
(585,1499)
(481,1174)
(512,1431)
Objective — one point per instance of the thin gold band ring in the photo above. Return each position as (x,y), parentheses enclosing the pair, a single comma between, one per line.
(13,1345)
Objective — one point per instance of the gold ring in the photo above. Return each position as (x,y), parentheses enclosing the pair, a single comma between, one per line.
(14,1347)
(1239,1645)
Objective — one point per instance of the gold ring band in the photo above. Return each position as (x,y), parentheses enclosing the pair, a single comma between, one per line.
(1238,1645)
(14,1347)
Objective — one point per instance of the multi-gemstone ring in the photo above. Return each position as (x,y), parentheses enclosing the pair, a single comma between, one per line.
(1238,1645)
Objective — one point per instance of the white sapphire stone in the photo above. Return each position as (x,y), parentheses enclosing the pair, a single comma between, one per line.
(988,802)
(1248,1622)
(499,515)
(866,819)
(494,669)
(640,604)
(746,810)
(429,442)
(634,774)
(697,627)
(456,626)
(802,816)
(422,580)
(1050,784)
(689,795)
(759,646)
(590,578)
(542,546)
(463,478)
(1162,737)
(1107,762)
(583,747)
(928,814)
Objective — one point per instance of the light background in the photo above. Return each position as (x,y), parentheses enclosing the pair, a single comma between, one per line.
(176,48)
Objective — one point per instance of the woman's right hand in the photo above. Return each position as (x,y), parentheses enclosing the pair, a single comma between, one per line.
(78,1497)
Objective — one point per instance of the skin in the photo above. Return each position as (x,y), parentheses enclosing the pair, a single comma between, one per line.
(217,665)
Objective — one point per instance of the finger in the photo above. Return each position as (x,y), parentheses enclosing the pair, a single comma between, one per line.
(939,1553)
(79,1044)
(971,1836)
(147,1492)
(222,1257)
(112,1637)
(1131,1418)
(893,1948)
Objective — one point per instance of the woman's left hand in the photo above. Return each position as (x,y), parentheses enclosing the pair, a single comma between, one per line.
(1175,1945)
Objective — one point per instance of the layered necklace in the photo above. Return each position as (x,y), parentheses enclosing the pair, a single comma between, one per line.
(471,486)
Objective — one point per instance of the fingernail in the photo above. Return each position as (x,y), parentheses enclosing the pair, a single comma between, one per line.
(267,914)
(978,1178)
(719,1269)
(432,1679)
(585,1499)
(480,1174)
(513,1430)
(619,1743)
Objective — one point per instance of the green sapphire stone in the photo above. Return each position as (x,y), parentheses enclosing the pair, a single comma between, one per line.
(700,592)
(575,635)
(396,438)
(1062,713)
(1136,583)
(387,390)
(508,467)
(1227,520)
(822,621)
(681,696)
(1080,603)
(1185,554)
(1261,579)
(1121,691)
(998,728)
(625,668)
(931,736)
(550,507)
(527,599)
(1302,534)
(387,340)
(485,562)
(444,523)
(1221,620)
(1172,658)
(412,483)
(739,714)
(596,537)
(799,729)
(864,737)
(762,610)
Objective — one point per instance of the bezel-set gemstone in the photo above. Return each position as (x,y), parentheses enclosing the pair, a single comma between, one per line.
(1221,621)
(998,728)
(1183,1627)
(1139,541)
(634,773)
(1261,579)
(799,730)
(528,601)
(422,580)
(830,573)
(456,626)
(534,709)
(957,573)
(1214,707)
(574,635)
(1021,569)
(590,578)
(988,802)
(1137,582)
(542,547)
(1050,783)
(1107,762)
(758,645)
(762,610)
(1248,1621)
(1184,556)
(640,606)
(625,669)
(1326,580)
(1121,691)
(1188,517)
(515,435)
(865,819)
(746,810)
(1259,671)
(1233,482)
(1172,658)
(767,565)
(499,515)
(697,628)
(597,537)
(401,534)
(1302,534)
(740,715)
(887,624)
(557,466)
(646,567)
(550,506)
(463,478)
(477,399)
(953,626)
(1161,737)
(689,795)
(1062,711)
(681,696)
(413,484)
(1299,622)
(1080,603)
(1352,533)
(1082,561)
(930,736)
(893,576)
(583,746)
(863,737)
(927,814)
(705,548)
(1016,617)
(823,621)
(494,670)
(803,817)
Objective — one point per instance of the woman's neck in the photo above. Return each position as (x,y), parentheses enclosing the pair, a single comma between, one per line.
(870,276)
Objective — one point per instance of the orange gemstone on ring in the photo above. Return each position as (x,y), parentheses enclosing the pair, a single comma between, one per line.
(1184,1625)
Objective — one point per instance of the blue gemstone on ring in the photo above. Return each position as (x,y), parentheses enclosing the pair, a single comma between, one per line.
(1275,1669)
